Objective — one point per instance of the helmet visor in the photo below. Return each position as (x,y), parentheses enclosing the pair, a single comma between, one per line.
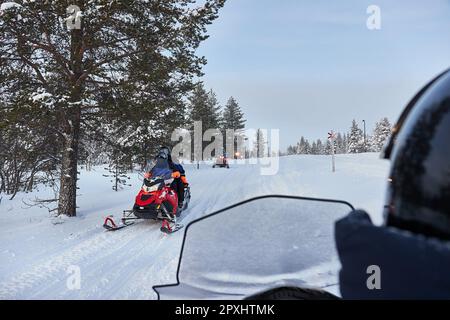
(164,153)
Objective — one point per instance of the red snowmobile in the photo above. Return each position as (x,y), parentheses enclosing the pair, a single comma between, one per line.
(222,162)
(156,201)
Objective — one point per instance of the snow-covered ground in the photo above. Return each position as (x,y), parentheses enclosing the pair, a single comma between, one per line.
(37,251)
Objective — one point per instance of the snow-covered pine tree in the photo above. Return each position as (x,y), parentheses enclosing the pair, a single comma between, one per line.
(215,110)
(299,145)
(328,149)
(345,143)
(314,149)
(380,135)
(339,143)
(291,150)
(302,146)
(142,53)
(320,147)
(203,106)
(233,118)
(307,147)
(259,144)
(355,139)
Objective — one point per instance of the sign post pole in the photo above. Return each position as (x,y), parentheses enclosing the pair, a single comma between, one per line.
(332,137)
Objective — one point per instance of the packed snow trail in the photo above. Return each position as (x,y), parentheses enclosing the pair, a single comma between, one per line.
(37,253)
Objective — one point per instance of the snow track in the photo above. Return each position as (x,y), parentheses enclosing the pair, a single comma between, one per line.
(35,254)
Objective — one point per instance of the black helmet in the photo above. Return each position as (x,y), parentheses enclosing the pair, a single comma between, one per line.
(418,196)
(164,153)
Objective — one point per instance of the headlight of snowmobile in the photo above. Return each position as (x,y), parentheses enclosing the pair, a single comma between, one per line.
(151,188)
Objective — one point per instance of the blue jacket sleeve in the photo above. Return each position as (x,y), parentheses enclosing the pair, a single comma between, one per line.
(178,167)
(411,266)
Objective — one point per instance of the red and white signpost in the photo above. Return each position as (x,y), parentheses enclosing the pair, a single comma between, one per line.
(332,137)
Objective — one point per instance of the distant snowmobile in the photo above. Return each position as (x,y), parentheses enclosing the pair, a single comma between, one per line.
(156,201)
(221,162)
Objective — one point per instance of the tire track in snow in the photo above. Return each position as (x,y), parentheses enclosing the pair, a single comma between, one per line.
(164,270)
(127,263)
(39,275)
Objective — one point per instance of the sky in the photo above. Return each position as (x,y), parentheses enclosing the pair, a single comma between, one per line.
(308,67)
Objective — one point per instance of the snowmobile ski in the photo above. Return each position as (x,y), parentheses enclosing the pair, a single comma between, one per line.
(110,225)
(168,228)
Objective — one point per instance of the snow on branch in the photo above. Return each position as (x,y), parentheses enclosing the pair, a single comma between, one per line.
(9,5)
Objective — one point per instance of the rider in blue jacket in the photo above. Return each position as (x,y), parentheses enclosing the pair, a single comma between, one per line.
(164,166)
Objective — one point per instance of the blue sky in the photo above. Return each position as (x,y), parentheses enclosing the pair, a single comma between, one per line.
(306,67)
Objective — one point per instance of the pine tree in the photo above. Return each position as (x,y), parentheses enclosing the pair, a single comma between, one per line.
(259,144)
(307,147)
(314,149)
(320,147)
(291,150)
(233,118)
(203,106)
(355,139)
(345,143)
(328,145)
(381,133)
(124,61)
(340,148)
(302,146)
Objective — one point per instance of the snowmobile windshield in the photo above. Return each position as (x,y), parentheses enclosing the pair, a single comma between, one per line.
(153,184)
(161,169)
(259,244)
(161,163)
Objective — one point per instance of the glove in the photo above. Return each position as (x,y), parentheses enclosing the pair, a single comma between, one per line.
(184,180)
(147,175)
(176,174)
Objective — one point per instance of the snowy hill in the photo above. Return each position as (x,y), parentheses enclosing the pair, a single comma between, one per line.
(37,250)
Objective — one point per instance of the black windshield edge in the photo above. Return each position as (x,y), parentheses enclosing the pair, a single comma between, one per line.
(234,206)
